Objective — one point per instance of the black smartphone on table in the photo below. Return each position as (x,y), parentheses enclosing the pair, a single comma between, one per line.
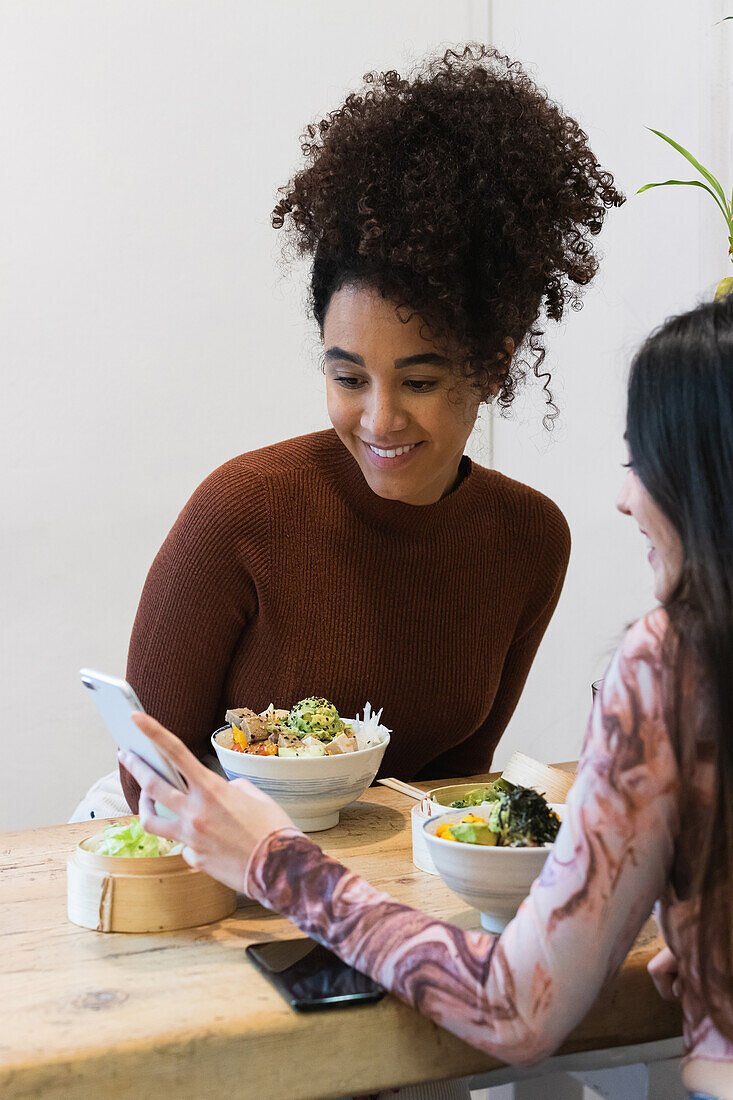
(310,977)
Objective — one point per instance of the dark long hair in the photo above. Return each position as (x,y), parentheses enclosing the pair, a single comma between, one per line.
(680,433)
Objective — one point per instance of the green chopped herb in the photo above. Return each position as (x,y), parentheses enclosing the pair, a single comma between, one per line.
(488,792)
(523,817)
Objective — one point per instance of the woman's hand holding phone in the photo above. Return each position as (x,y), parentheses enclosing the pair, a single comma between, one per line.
(220,823)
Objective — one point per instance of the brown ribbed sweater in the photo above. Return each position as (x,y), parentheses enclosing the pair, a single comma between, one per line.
(286,576)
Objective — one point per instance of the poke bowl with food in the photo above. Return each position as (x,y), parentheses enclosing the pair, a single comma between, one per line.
(309,759)
(489,852)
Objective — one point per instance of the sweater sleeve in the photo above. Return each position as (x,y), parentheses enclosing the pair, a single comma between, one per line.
(199,596)
(517,996)
(475,753)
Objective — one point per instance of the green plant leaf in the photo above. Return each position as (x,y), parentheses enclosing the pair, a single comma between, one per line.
(696,164)
(723,20)
(690,183)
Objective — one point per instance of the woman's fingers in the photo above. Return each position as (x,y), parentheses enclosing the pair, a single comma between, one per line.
(171,747)
(157,825)
(193,859)
(249,789)
(151,783)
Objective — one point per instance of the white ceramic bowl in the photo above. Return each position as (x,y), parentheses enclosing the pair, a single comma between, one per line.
(443,796)
(493,880)
(311,789)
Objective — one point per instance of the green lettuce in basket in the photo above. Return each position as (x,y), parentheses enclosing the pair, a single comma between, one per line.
(132,840)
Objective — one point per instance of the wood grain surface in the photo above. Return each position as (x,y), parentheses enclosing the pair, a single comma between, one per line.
(94,1015)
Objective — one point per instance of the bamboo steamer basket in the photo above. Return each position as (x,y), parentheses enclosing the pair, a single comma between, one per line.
(141,894)
(527,772)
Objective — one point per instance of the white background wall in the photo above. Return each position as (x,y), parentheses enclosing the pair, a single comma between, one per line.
(147,333)
(618,69)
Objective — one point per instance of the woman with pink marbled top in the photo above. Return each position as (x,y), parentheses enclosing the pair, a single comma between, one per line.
(649,819)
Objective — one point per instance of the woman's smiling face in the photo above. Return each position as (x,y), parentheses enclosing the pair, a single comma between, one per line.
(665,546)
(394,398)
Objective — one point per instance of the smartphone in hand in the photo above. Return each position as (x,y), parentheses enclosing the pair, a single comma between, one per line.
(117,702)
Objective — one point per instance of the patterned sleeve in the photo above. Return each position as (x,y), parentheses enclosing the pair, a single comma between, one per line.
(517,997)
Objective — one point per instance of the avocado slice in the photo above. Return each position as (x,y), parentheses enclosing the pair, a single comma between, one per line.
(470,833)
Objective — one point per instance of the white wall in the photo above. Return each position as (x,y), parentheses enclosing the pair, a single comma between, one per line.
(147,333)
(618,69)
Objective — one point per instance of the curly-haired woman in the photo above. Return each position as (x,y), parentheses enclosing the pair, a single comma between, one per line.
(649,818)
(443,215)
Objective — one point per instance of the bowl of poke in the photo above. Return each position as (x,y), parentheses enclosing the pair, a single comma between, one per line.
(309,759)
(489,853)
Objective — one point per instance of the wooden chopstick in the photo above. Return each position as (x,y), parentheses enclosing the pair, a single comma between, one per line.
(403,788)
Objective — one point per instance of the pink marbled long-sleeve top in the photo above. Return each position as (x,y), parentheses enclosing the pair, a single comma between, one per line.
(517,996)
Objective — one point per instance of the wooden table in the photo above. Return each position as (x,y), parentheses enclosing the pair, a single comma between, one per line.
(185,1014)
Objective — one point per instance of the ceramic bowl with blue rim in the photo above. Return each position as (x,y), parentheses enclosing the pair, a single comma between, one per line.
(311,789)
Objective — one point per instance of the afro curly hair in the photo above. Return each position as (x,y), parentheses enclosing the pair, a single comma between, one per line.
(465,195)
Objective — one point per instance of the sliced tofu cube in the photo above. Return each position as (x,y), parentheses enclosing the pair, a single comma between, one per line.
(273,723)
(272,714)
(342,743)
(316,748)
(251,724)
(285,742)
